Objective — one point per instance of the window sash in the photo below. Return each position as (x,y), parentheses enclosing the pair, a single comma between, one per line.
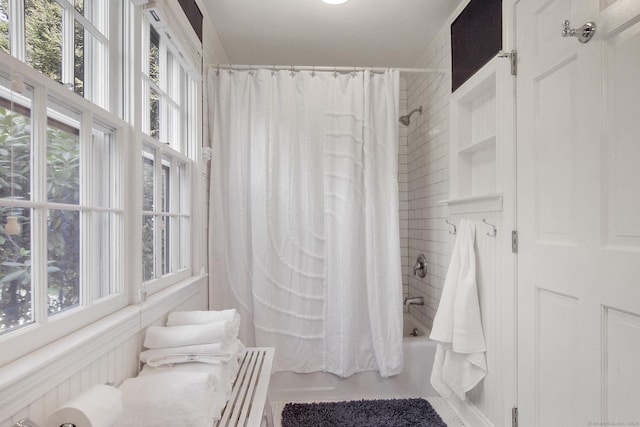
(42,115)
(171,255)
(99,45)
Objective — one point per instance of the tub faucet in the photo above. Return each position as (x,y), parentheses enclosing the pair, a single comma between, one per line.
(415,301)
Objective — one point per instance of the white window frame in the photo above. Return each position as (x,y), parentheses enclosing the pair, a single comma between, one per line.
(125,116)
(174,143)
(104,29)
(44,328)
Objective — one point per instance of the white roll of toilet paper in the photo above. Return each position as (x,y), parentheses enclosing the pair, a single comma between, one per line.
(99,406)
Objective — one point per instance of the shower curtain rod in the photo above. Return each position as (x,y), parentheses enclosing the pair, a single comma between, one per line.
(324,68)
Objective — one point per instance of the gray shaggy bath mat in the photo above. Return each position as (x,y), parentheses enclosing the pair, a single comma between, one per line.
(362,413)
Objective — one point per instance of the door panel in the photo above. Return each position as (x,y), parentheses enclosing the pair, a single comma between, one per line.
(578,214)
(622,370)
(557,323)
(622,150)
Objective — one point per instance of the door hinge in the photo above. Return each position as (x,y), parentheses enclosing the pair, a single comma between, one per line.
(513,58)
(514,417)
(514,241)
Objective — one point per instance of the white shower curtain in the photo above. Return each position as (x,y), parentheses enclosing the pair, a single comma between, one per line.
(304,232)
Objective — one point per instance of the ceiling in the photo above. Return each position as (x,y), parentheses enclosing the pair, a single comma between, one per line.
(366,33)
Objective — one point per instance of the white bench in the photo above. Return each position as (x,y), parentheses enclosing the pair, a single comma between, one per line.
(248,403)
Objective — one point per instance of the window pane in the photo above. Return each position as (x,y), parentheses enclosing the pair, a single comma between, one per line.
(103,168)
(148,261)
(79,5)
(183,238)
(63,250)
(97,85)
(15,149)
(173,127)
(154,114)
(173,77)
(165,244)
(4,25)
(154,55)
(104,263)
(78,59)
(166,185)
(15,270)
(43,31)
(63,158)
(148,173)
(183,202)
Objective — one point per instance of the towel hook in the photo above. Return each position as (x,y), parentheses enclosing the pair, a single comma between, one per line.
(493,232)
(452,225)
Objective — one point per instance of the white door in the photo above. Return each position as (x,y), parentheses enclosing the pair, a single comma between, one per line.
(578,112)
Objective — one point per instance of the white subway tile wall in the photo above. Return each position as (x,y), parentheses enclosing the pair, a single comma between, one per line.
(403,189)
(426,166)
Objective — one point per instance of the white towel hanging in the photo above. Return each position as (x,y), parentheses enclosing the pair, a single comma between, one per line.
(460,362)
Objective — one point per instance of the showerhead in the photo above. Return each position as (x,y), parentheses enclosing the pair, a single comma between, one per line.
(406,119)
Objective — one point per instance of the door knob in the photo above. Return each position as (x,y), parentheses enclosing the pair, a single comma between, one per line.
(583,33)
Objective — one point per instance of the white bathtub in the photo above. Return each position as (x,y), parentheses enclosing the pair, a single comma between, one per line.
(419,352)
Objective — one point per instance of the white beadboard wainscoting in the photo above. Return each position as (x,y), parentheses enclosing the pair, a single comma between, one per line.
(105,351)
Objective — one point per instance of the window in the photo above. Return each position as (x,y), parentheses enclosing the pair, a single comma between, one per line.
(169,94)
(60,224)
(64,153)
(73,42)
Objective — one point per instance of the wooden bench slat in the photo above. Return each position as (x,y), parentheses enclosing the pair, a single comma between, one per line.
(248,400)
(249,393)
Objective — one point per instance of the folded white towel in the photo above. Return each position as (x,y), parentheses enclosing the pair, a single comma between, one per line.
(460,355)
(215,348)
(207,353)
(171,399)
(180,318)
(176,336)
(220,373)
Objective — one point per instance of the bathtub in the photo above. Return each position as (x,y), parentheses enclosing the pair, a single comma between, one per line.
(413,381)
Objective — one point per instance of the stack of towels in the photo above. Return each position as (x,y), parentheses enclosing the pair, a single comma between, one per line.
(189,367)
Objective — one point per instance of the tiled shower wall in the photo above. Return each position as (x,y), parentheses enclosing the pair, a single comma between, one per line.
(403,189)
(427,171)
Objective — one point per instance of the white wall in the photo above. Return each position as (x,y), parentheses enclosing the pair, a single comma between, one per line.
(428,169)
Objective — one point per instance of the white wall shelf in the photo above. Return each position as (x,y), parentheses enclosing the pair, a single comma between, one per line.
(487,143)
(474,204)
(475,141)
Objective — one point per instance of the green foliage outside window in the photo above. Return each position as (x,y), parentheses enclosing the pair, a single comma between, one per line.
(4,25)
(43,31)
(62,229)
